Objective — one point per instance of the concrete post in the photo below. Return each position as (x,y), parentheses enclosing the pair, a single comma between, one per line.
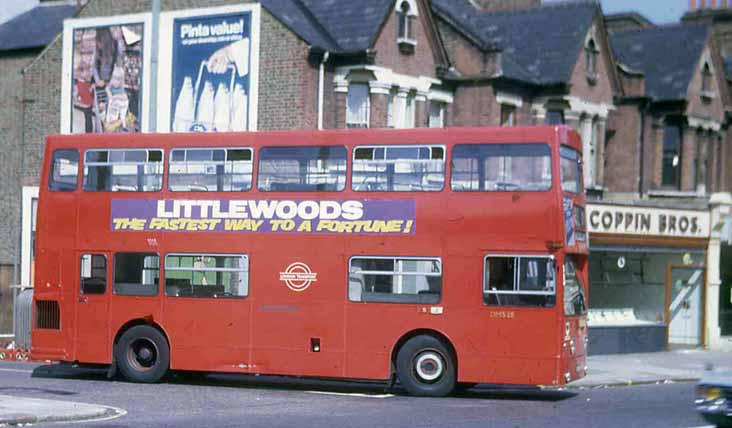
(720,210)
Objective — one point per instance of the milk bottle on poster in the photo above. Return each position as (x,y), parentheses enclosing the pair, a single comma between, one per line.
(222,104)
(183,118)
(205,110)
(239,109)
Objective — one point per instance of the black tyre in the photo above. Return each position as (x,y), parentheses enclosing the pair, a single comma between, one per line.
(426,367)
(143,354)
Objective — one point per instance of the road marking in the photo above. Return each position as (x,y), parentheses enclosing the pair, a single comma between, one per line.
(16,370)
(349,394)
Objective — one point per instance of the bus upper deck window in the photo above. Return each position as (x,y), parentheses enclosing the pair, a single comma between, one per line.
(123,170)
(302,169)
(570,169)
(210,170)
(501,168)
(64,170)
(398,169)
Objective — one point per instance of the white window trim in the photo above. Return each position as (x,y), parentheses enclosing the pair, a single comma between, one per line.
(368,104)
(510,99)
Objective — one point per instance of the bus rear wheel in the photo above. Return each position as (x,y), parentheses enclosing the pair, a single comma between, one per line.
(142,354)
(426,367)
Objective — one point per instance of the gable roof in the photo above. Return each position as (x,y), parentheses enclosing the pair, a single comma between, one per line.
(667,75)
(35,28)
(340,26)
(539,45)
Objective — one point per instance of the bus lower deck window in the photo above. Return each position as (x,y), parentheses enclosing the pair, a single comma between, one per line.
(207,275)
(395,280)
(519,281)
(136,274)
(93,274)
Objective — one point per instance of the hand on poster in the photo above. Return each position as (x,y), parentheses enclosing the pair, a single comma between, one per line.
(236,53)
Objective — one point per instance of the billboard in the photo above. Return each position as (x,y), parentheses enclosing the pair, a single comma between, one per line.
(209,69)
(104,80)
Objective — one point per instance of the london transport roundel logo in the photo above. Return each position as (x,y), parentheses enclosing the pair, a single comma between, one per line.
(298,276)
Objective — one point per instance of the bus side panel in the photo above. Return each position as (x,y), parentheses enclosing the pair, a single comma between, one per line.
(491,341)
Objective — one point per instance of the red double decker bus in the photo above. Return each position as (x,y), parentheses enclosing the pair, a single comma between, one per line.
(443,257)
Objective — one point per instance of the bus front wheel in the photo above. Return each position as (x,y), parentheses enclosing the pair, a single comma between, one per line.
(426,367)
(142,354)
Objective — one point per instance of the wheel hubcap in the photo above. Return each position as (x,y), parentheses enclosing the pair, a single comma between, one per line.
(142,354)
(429,366)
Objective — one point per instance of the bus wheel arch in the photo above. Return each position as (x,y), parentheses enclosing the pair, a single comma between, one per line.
(431,349)
(141,351)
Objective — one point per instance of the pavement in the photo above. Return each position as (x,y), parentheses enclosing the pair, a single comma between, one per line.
(17,411)
(604,371)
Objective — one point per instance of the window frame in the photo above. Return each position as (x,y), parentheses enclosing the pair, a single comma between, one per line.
(396,273)
(516,276)
(508,115)
(57,186)
(578,159)
(336,190)
(147,151)
(591,57)
(226,149)
(247,271)
(441,107)
(386,161)
(671,154)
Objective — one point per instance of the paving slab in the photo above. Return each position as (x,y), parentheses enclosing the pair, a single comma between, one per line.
(23,410)
(656,367)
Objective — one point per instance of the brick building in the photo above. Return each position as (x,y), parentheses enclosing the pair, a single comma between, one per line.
(418,63)
(23,34)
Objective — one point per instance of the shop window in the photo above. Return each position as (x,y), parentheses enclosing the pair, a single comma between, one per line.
(123,170)
(206,275)
(508,115)
(93,274)
(398,169)
(210,170)
(357,106)
(302,169)
(64,170)
(671,167)
(395,280)
(136,274)
(519,281)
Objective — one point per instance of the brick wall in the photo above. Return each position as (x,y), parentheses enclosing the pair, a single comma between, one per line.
(11,100)
(622,154)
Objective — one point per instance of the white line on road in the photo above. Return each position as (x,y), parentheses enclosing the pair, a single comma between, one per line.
(348,394)
(16,370)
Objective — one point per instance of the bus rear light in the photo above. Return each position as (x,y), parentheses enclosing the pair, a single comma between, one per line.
(315,344)
(567,377)
(571,346)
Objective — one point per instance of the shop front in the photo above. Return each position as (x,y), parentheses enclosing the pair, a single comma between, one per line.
(648,278)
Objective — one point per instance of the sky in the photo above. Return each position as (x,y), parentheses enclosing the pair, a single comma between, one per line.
(658,11)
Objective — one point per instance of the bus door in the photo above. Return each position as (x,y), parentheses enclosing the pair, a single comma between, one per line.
(92,308)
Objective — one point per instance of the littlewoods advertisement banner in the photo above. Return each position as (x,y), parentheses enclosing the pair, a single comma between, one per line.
(277,216)
(210,72)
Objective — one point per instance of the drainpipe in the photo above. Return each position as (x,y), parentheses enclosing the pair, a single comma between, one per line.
(321,78)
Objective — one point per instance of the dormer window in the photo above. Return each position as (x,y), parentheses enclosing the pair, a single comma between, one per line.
(706,84)
(406,14)
(591,52)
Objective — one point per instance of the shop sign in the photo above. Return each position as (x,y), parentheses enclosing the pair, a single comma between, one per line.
(628,220)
